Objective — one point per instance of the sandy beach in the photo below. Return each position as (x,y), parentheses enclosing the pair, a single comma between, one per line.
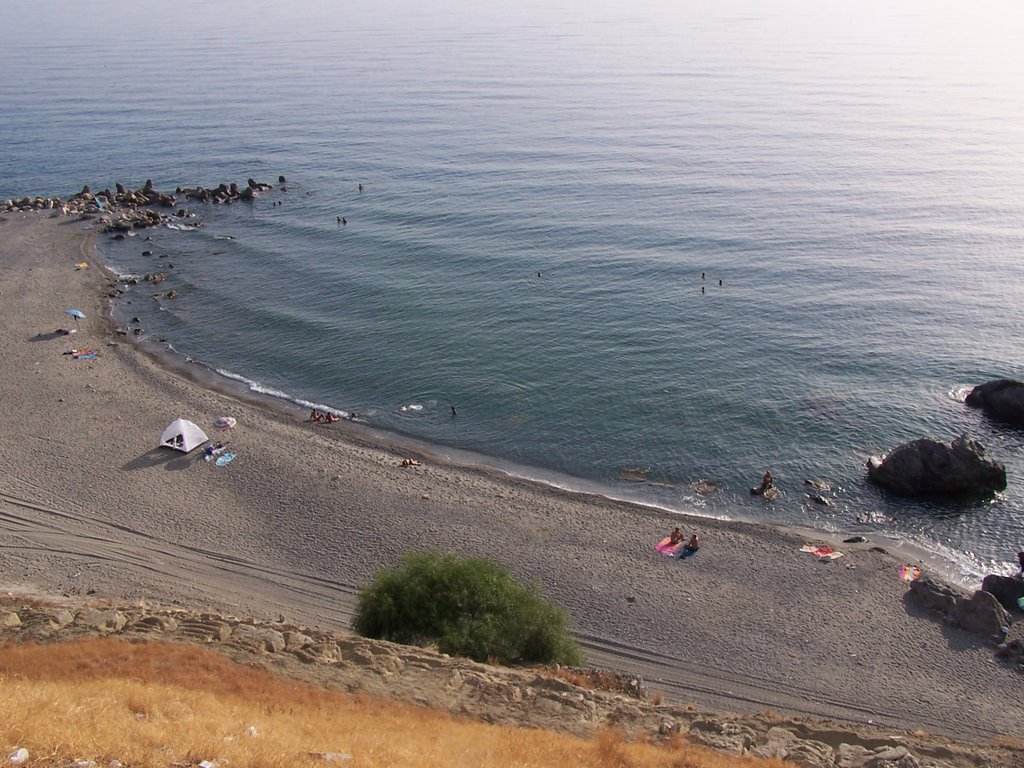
(308,512)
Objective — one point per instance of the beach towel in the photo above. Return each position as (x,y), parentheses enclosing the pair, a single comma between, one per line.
(227,458)
(667,548)
(909,572)
(821,553)
(82,354)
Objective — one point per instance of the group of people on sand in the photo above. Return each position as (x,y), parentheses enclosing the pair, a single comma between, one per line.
(317,415)
(213,449)
(691,546)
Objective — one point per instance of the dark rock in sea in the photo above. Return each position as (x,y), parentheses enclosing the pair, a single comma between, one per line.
(85,191)
(281,180)
(147,253)
(121,190)
(930,467)
(1006,589)
(247,194)
(1002,400)
(252,184)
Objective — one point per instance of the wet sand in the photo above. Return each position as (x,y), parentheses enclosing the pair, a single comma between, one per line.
(308,512)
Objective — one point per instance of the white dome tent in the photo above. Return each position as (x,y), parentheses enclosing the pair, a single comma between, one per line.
(182,435)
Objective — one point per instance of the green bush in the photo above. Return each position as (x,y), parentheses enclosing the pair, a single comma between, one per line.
(468,607)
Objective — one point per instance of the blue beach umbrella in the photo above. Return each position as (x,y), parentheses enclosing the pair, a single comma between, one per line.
(75,313)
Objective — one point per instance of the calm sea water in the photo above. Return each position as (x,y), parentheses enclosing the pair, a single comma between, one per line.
(853,174)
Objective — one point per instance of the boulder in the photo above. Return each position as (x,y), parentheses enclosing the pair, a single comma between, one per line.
(856,756)
(259,638)
(781,744)
(930,467)
(106,621)
(1006,589)
(1001,400)
(722,735)
(935,595)
(981,614)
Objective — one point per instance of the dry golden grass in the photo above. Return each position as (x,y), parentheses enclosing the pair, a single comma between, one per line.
(155,704)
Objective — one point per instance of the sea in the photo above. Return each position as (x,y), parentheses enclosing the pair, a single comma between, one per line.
(647,250)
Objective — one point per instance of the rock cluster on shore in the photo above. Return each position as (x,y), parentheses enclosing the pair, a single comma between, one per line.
(523,697)
(124,209)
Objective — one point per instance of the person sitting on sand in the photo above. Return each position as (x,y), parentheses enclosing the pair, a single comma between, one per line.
(315,415)
(410,463)
(330,418)
(675,537)
(693,544)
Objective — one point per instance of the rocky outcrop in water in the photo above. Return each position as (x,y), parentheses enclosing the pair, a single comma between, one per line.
(125,209)
(928,467)
(1001,400)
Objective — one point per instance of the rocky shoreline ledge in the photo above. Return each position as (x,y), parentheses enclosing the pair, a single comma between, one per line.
(122,209)
(530,697)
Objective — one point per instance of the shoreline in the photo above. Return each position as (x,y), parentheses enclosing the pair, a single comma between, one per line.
(307,514)
(206,376)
